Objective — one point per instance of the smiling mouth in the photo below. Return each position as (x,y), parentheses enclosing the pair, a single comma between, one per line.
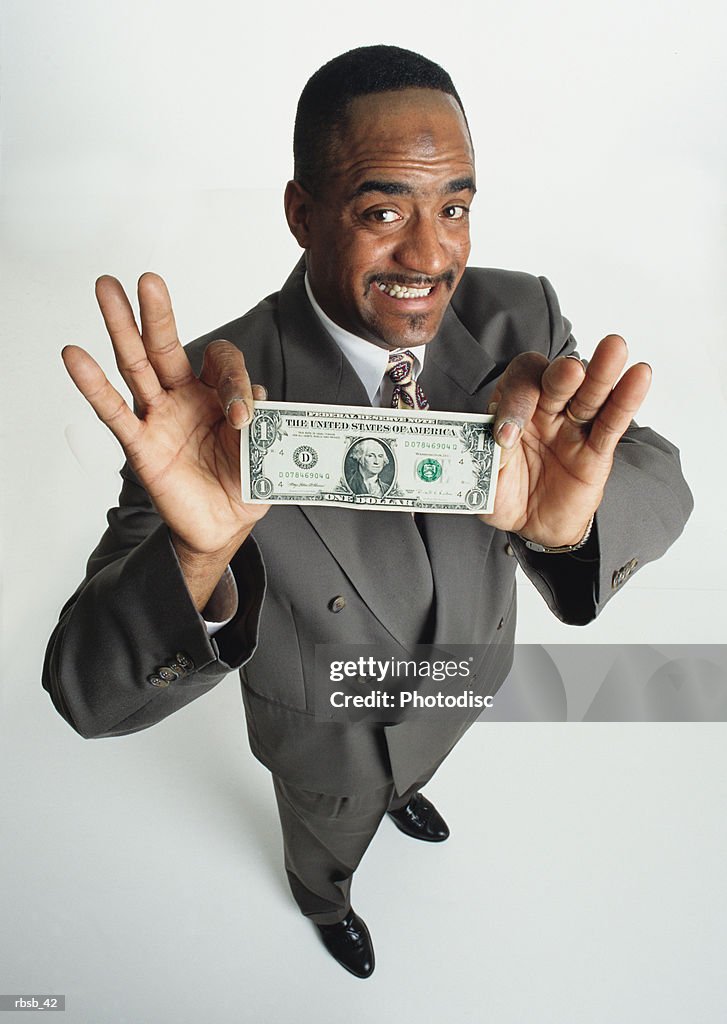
(399,291)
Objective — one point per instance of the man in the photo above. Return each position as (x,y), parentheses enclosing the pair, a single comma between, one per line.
(368,459)
(380,310)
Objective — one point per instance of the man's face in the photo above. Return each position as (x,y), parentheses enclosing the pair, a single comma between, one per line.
(373,458)
(392,216)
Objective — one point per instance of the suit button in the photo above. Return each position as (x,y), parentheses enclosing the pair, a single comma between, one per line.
(337,604)
(167,674)
(622,574)
(184,661)
(156,680)
(509,550)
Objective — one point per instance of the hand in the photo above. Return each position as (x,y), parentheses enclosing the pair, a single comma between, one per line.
(183,442)
(552,470)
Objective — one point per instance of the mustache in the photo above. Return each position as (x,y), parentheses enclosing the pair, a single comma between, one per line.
(447,279)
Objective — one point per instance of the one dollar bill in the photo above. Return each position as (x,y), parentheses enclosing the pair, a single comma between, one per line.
(366,458)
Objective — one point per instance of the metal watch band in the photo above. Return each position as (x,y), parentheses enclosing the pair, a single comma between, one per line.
(541,549)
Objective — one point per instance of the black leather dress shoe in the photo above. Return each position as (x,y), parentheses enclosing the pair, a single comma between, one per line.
(421,820)
(349,942)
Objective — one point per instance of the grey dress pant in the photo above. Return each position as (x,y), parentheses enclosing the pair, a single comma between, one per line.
(324,839)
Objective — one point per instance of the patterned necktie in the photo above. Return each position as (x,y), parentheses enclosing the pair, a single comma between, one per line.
(407,393)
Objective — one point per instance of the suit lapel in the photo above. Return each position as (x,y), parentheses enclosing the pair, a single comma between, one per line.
(315,368)
(455,368)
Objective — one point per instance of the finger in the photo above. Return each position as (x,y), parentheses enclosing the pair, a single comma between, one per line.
(131,357)
(603,371)
(159,331)
(224,370)
(561,380)
(259,393)
(519,396)
(105,400)
(620,408)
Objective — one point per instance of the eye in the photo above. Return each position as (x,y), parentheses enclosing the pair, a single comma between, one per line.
(455,212)
(384,216)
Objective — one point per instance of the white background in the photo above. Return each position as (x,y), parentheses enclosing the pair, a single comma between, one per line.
(144,873)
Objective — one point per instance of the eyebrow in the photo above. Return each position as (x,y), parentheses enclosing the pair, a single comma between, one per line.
(401,188)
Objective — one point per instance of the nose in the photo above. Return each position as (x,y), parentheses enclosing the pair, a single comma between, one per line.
(421,249)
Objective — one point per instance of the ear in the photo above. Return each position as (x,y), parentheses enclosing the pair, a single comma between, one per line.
(297,210)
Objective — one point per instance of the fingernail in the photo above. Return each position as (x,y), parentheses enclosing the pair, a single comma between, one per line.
(577,358)
(492,408)
(508,433)
(244,414)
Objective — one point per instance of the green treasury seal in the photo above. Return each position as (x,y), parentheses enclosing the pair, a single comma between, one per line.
(429,470)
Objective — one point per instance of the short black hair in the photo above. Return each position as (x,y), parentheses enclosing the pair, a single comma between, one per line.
(324,102)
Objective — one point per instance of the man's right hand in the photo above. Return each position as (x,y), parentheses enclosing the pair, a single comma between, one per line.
(183,441)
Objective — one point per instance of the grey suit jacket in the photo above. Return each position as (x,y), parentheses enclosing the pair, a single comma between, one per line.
(310,576)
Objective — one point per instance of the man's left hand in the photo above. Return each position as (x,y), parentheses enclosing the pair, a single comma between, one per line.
(558,424)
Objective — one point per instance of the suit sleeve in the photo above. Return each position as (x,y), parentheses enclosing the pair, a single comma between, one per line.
(130,647)
(645,506)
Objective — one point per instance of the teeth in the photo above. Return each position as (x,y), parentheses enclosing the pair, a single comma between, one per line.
(398,291)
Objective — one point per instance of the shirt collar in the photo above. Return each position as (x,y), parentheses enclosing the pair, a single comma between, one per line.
(368,360)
